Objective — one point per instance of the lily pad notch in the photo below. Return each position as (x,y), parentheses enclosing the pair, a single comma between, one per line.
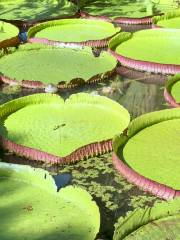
(161,220)
(95,33)
(136,156)
(69,67)
(172,91)
(43,211)
(72,129)
(143,50)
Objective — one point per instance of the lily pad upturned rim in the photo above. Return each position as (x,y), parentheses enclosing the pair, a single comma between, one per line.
(140,217)
(91,43)
(40,178)
(121,20)
(147,66)
(166,16)
(92,149)
(76,82)
(167,91)
(160,190)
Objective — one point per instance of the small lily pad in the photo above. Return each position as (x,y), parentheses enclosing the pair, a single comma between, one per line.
(31,208)
(44,127)
(148,153)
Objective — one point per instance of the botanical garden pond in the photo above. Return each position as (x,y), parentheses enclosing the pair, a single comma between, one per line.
(139,91)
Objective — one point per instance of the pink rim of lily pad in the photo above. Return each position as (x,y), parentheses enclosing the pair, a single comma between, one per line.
(90,43)
(148,185)
(146,65)
(167,92)
(76,82)
(84,152)
(120,20)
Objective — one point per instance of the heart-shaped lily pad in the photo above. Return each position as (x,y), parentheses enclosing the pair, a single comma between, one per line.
(129,12)
(148,154)
(169,20)
(78,31)
(44,127)
(7,31)
(36,66)
(153,50)
(35,9)
(31,208)
(172,91)
(162,221)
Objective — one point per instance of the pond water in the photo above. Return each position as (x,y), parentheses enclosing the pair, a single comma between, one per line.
(138,92)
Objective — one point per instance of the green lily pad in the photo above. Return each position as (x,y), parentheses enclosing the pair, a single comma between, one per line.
(155,45)
(173,89)
(31,208)
(7,31)
(153,50)
(48,64)
(70,30)
(132,9)
(150,151)
(169,20)
(45,123)
(35,9)
(162,221)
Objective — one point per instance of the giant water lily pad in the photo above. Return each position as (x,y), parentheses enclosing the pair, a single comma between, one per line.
(7,31)
(35,9)
(148,154)
(31,208)
(79,31)
(127,11)
(162,221)
(44,127)
(172,91)
(169,20)
(154,50)
(37,66)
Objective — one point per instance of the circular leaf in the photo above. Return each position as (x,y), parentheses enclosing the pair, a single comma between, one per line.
(39,65)
(149,153)
(31,208)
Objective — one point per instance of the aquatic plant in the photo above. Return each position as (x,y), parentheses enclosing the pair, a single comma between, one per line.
(38,65)
(27,10)
(61,132)
(172,91)
(154,50)
(147,153)
(31,207)
(95,33)
(162,221)
(168,20)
